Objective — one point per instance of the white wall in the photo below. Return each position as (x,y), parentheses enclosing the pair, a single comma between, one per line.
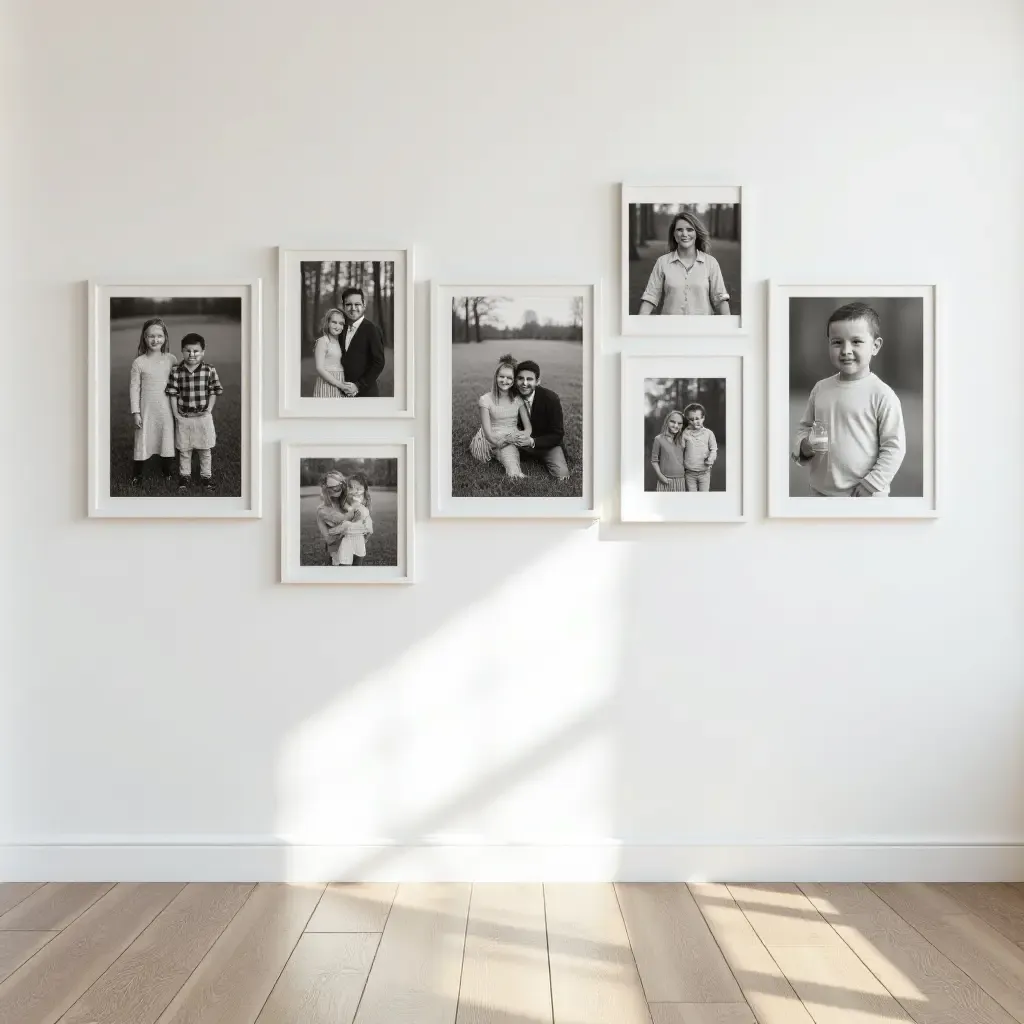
(677,714)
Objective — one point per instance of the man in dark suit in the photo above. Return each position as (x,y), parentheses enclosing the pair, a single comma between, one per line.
(362,348)
(545,443)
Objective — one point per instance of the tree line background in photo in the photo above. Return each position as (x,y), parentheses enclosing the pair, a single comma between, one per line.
(662,395)
(322,285)
(382,545)
(648,239)
(479,318)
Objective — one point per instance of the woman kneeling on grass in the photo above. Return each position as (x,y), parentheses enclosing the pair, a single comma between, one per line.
(501,409)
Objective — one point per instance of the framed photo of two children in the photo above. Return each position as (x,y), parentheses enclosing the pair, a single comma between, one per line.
(174,386)
(853,401)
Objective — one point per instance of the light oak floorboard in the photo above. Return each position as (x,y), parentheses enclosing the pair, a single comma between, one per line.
(12,893)
(918,901)
(1002,906)
(761,981)
(593,973)
(353,908)
(834,899)
(783,916)
(323,981)
(43,988)
(53,907)
(505,969)
(676,954)
(930,988)
(836,987)
(415,976)
(701,1013)
(17,947)
(138,988)
(236,976)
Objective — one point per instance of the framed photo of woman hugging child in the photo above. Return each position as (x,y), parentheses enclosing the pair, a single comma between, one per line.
(345,332)
(347,513)
(174,395)
(853,401)
(683,456)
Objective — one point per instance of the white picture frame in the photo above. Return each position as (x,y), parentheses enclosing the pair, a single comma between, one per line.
(109,453)
(638,504)
(637,254)
(296,374)
(446,504)
(300,536)
(920,404)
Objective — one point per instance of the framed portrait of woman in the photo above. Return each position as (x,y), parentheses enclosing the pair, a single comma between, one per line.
(346,332)
(348,512)
(513,401)
(174,400)
(684,430)
(682,266)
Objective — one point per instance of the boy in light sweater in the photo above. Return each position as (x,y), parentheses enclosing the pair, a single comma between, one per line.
(862,414)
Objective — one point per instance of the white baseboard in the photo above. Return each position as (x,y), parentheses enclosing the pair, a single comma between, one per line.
(241,859)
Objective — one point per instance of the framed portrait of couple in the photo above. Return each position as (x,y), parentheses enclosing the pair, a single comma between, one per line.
(512,401)
(346,333)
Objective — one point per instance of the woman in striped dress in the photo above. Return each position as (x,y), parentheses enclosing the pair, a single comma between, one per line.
(327,356)
(667,454)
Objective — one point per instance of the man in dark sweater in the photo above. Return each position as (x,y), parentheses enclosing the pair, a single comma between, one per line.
(546,420)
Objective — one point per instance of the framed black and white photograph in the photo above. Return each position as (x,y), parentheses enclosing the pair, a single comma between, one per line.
(683,454)
(853,401)
(174,400)
(347,512)
(512,400)
(681,260)
(346,332)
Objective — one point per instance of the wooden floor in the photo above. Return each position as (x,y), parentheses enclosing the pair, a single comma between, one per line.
(511,954)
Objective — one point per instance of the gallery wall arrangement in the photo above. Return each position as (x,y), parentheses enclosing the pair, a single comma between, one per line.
(853,394)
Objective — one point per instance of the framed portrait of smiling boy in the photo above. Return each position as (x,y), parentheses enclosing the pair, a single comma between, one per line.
(512,401)
(346,333)
(174,400)
(347,512)
(681,258)
(853,401)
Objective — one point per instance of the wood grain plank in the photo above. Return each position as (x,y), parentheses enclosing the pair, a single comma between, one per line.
(835,985)
(12,893)
(139,987)
(930,988)
(415,976)
(676,954)
(783,916)
(505,969)
(834,899)
(918,901)
(53,907)
(353,908)
(1001,905)
(43,988)
(236,976)
(761,981)
(593,973)
(17,947)
(702,1013)
(323,981)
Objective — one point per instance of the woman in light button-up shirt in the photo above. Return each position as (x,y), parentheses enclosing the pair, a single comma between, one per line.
(687,280)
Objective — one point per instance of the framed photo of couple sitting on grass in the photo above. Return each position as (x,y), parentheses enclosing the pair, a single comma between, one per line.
(174,400)
(683,456)
(347,512)
(512,401)
(345,332)
(853,401)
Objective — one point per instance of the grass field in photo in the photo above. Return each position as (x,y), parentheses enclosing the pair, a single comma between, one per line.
(223,351)
(561,368)
(381,546)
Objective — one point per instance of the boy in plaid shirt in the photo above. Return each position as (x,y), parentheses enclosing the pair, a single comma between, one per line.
(194,386)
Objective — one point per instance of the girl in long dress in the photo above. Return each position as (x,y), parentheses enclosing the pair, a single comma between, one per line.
(150,406)
(327,356)
(500,411)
